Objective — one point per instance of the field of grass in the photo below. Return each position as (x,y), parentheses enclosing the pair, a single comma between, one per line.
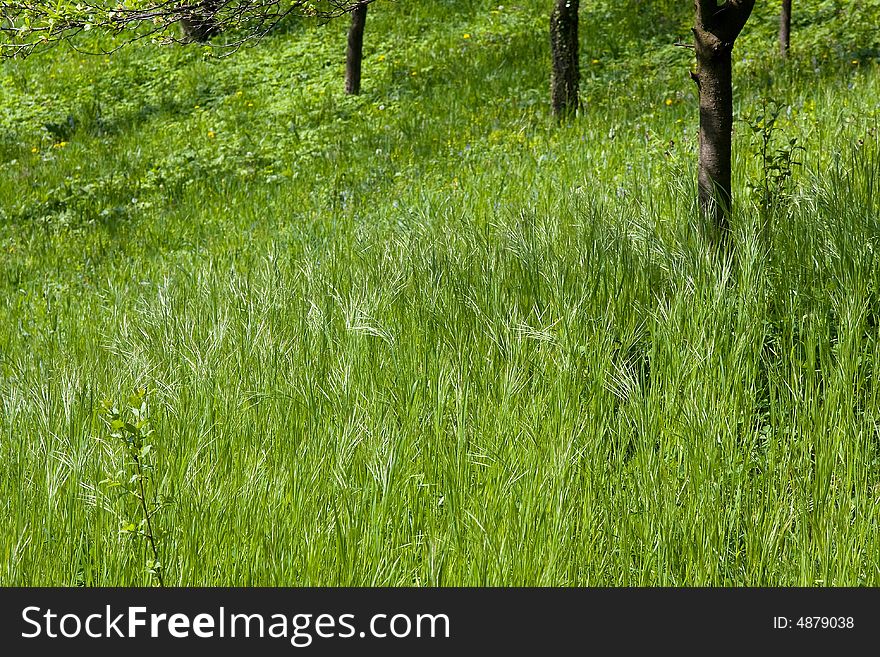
(427,336)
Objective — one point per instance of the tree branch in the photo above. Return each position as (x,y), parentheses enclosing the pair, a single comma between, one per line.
(28,25)
(724,21)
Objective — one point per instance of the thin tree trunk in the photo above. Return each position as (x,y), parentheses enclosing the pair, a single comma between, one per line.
(715,31)
(565,77)
(200,25)
(354,54)
(785,28)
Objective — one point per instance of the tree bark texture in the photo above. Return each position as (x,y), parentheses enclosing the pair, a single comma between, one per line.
(785,27)
(565,76)
(199,25)
(715,31)
(354,53)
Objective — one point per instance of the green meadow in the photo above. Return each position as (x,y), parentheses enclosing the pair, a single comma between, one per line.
(428,335)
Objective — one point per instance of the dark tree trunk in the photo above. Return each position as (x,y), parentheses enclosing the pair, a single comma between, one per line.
(354,54)
(715,32)
(785,27)
(565,77)
(715,79)
(200,23)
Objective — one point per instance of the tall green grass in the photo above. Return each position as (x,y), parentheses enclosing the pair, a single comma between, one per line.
(427,336)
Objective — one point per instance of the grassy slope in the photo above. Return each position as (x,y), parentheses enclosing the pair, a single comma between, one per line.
(425,336)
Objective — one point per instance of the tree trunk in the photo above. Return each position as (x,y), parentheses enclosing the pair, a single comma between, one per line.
(715,32)
(200,24)
(354,54)
(715,80)
(785,27)
(565,77)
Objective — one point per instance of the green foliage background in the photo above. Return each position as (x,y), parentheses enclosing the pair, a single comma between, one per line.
(426,336)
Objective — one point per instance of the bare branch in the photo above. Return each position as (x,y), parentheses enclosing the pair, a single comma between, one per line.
(27,26)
